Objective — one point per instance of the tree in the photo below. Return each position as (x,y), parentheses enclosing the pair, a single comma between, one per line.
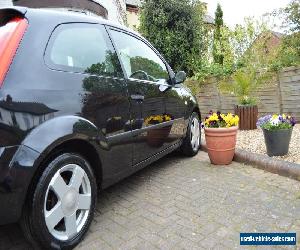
(293,15)
(289,52)
(174,27)
(153,69)
(217,46)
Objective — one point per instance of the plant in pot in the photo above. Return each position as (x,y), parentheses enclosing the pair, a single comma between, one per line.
(243,84)
(277,131)
(220,135)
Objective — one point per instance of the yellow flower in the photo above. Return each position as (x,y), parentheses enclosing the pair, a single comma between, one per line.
(274,117)
(213,117)
(227,121)
(157,119)
(167,118)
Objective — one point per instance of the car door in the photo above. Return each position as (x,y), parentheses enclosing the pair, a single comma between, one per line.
(179,106)
(94,87)
(149,87)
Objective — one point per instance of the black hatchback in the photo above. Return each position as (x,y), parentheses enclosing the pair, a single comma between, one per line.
(83,104)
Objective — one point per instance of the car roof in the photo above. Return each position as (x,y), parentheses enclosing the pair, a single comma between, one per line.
(56,17)
(65,16)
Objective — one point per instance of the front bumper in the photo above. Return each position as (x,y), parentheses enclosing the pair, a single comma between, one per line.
(16,171)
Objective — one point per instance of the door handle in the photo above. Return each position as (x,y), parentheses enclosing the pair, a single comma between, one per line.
(137,97)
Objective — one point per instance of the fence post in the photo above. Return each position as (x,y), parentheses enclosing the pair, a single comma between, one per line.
(220,106)
(279,93)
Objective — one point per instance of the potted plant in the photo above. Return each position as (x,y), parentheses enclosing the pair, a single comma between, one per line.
(156,137)
(277,131)
(243,84)
(220,135)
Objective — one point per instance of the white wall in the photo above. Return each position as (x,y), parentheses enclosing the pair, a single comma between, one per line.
(5,3)
(116,9)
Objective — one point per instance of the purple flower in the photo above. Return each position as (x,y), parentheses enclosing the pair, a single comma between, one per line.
(213,124)
(293,121)
(261,121)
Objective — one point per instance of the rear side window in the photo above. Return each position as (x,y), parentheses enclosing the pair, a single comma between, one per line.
(82,48)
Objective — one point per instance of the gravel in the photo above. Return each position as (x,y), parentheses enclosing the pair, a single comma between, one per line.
(253,141)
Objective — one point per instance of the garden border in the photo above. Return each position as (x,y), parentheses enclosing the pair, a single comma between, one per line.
(264,162)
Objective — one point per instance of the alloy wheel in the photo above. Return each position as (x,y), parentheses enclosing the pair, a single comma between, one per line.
(67,202)
(195,134)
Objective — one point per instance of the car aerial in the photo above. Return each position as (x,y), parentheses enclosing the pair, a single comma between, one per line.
(84,103)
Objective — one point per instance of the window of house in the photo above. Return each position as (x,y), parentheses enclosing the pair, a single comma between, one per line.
(139,60)
(83,48)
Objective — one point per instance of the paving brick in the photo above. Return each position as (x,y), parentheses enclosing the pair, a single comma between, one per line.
(181,203)
(132,243)
(94,245)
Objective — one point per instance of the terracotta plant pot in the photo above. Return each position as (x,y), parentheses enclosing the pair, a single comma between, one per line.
(220,144)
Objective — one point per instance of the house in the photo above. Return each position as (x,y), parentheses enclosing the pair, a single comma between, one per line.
(133,13)
(267,44)
(209,20)
(5,3)
(271,41)
(24,115)
(121,11)
(114,10)
(133,8)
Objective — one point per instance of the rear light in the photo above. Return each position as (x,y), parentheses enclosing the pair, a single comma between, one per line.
(10,38)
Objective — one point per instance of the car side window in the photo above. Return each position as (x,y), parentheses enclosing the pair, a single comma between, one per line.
(82,48)
(139,60)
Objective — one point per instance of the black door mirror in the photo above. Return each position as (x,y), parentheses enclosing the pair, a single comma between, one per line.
(180,77)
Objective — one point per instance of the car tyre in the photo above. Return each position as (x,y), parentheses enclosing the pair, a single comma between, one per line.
(61,208)
(191,143)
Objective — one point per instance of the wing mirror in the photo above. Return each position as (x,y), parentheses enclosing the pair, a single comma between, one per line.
(180,77)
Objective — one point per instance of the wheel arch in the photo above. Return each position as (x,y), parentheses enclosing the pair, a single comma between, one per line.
(79,146)
(66,134)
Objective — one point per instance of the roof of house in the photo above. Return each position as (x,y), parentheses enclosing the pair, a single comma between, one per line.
(34,108)
(135,3)
(278,34)
(209,19)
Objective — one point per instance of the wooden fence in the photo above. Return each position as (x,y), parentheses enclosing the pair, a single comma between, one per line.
(280,96)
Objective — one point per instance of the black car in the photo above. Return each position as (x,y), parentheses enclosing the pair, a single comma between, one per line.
(83,103)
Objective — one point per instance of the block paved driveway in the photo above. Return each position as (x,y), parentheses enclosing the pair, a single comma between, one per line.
(183,203)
